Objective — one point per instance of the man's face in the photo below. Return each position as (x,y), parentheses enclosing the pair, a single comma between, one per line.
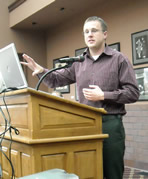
(93,35)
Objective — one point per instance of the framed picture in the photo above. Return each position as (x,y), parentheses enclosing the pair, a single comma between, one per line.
(140,47)
(79,51)
(63,89)
(76,93)
(115,46)
(142,79)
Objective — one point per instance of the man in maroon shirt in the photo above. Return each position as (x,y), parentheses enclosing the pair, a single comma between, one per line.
(105,79)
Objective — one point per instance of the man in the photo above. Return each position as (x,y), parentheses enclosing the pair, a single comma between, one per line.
(105,79)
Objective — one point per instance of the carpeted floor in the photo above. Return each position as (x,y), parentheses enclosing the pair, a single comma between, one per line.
(133,173)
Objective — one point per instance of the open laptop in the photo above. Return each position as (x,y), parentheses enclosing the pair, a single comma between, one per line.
(11,72)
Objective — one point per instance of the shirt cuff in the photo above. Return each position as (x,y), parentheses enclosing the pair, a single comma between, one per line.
(109,95)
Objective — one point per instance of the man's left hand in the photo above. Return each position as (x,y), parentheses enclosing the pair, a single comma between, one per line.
(94,93)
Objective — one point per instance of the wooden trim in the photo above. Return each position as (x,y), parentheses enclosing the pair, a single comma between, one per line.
(60,139)
(15,4)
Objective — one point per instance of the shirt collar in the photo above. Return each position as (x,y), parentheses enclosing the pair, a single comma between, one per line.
(107,51)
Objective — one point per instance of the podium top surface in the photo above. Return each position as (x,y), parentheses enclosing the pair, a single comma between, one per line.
(32,91)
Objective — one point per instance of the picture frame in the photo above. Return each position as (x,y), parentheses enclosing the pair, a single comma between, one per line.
(139,47)
(80,51)
(76,93)
(62,89)
(115,46)
(142,80)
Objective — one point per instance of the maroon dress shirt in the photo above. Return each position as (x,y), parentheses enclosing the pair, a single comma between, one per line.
(112,72)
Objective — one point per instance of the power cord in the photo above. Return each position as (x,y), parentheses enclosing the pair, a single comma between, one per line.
(8,128)
(1,173)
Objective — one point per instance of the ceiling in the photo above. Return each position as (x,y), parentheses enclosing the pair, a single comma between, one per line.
(56,13)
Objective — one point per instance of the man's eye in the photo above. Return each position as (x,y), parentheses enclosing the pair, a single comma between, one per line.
(94,30)
(86,32)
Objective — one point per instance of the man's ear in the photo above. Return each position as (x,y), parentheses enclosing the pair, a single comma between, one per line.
(105,35)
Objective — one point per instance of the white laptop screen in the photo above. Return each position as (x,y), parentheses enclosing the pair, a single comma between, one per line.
(11,72)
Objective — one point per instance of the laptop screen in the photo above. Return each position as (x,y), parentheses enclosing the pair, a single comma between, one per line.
(11,72)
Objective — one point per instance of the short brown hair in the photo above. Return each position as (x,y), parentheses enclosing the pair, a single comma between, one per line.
(96,18)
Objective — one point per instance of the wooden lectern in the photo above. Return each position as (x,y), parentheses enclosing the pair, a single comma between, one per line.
(54,133)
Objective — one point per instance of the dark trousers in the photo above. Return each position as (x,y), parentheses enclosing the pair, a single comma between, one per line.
(113,147)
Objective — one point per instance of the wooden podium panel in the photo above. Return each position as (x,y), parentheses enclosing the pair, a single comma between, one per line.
(54,133)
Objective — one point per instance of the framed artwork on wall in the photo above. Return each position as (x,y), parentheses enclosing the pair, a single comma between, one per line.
(79,51)
(63,89)
(142,79)
(140,47)
(115,46)
(76,93)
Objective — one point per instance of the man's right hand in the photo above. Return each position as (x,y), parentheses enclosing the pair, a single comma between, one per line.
(36,68)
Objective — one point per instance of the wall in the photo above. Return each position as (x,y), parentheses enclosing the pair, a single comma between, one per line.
(32,43)
(123,18)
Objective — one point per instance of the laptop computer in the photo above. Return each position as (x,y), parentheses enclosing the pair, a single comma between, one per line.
(11,72)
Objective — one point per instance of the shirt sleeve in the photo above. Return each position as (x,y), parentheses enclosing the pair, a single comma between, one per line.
(127,91)
(59,78)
